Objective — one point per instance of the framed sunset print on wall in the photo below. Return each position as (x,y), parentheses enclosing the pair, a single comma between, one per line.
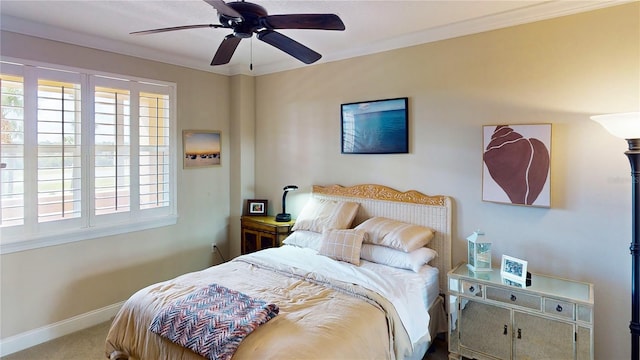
(201,148)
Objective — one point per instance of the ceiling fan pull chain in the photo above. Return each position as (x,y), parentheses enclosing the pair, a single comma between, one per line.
(251,54)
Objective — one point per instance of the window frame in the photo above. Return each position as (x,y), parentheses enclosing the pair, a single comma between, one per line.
(33,235)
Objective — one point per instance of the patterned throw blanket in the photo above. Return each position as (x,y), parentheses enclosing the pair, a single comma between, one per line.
(212,321)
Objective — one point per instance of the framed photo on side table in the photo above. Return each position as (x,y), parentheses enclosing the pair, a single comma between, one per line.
(256,207)
(514,269)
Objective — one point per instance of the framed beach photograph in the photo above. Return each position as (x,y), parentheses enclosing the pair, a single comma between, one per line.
(516,164)
(256,207)
(201,148)
(375,127)
(514,269)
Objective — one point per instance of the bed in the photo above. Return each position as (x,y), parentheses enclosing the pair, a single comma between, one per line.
(317,300)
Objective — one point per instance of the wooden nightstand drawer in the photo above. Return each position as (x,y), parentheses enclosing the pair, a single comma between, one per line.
(259,226)
(262,232)
(514,297)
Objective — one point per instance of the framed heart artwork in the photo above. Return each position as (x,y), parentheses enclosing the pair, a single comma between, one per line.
(516,164)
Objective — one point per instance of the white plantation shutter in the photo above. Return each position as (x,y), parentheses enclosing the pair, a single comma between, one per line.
(86,155)
(59,153)
(11,150)
(154,150)
(112,150)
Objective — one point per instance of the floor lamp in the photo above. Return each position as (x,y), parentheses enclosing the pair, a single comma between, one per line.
(627,126)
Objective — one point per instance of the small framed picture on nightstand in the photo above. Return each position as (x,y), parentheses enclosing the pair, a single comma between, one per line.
(514,269)
(257,207)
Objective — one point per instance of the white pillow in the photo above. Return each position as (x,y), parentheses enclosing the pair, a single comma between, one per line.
(396,234)
(413,260)
(342,245)
(320,214)
(305,239)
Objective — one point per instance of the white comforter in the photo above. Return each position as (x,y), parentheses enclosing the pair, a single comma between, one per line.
(328,309)
(406,290)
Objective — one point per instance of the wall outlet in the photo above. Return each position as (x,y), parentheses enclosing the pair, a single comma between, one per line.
(213,247)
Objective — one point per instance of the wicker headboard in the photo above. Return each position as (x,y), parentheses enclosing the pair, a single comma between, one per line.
(411,207)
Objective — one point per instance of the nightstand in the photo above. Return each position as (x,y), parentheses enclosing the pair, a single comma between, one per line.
(262,232)
(491,319)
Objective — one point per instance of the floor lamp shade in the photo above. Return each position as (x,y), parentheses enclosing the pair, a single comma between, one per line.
(627,126)
(623,125)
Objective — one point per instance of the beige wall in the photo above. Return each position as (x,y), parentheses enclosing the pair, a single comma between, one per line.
(558,71)
(52,284)
(287,125)
(243,112)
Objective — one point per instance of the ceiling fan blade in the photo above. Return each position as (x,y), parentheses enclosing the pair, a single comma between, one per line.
(224,9)
(304,21)
(226,50)
(289,46)
(185,27)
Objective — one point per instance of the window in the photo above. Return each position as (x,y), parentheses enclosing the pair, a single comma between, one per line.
(83,155)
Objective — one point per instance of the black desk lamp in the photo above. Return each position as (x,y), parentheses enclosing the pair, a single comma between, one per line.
(284,217)
(627,126)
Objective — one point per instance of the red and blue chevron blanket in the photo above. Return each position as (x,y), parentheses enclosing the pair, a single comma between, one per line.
(212,321)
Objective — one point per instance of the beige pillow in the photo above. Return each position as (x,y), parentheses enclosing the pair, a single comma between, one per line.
(395,234)
(342,245)
(320,214)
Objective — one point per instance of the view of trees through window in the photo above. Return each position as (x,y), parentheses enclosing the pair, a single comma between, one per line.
(12,147)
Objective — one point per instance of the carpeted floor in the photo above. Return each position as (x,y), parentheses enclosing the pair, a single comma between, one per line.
(89,345)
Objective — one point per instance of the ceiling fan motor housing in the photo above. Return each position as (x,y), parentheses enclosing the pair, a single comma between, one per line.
(250,22)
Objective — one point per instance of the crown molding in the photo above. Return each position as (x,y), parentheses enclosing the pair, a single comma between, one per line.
(536,12)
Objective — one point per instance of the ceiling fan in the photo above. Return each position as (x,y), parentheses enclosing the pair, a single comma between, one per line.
(246,18)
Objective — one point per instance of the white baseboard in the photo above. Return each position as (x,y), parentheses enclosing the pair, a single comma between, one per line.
(49,332)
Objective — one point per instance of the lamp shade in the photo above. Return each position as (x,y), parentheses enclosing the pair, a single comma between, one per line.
(622,125)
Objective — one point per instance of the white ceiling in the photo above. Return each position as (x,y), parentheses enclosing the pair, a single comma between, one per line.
(371,26)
